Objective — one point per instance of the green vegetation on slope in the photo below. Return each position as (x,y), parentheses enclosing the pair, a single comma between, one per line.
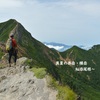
(39,72)
(64,92)
(1,53)
(85,83)
(6,28)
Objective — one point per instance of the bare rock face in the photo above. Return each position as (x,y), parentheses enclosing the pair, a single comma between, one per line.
(17,83)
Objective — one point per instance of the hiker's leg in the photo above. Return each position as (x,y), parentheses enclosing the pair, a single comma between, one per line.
(9,59)
(15,57)
(10,55)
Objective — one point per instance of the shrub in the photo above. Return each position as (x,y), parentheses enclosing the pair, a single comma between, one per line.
(39,72)
(64,92)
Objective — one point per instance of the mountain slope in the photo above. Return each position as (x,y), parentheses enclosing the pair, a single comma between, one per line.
(87,83)
(28,46)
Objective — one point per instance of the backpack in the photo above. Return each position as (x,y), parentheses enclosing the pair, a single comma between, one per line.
(9,44)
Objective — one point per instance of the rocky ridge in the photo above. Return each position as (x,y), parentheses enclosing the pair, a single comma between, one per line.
(19,83)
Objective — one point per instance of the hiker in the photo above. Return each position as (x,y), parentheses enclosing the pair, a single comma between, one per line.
(11,48)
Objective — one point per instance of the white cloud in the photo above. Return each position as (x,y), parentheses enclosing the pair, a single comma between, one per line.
(10,3)
(55,47)
(79,6)
(87,47)
(87,8)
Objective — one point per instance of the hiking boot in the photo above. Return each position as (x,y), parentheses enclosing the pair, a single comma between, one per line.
(14,63)
(9,65)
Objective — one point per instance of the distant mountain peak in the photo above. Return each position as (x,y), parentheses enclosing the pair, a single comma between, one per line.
(75,47)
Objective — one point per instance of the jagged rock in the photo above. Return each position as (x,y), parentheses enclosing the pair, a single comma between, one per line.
(14,89)
(2,78)
(21,61)
(3,90)
(31,81)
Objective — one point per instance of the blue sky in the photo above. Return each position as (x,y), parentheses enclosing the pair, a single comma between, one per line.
(75,22)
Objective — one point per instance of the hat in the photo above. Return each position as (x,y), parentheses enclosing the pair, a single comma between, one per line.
(11,35)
